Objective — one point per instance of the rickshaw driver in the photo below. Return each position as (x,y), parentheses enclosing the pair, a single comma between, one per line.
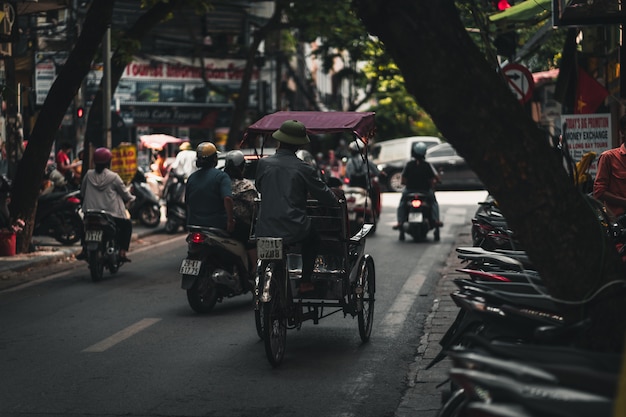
(284,181)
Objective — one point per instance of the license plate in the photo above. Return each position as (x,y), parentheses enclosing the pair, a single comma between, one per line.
(352,215)
(415,217)
(190,267)
(269,248)
(93,235)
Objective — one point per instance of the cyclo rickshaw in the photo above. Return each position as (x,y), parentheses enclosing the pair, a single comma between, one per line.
(344,275)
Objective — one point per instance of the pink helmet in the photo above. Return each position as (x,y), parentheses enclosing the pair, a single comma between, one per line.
(102,156)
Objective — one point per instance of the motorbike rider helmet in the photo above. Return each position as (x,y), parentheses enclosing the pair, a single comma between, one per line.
(185,146)
(102,156)
(234,159)
(419,150)
(206,155)
(356,147)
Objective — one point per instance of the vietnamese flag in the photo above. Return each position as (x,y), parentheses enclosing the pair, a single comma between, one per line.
(589,93)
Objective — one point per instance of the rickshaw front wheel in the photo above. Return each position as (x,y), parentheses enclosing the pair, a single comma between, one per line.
(275,320)
(366,288)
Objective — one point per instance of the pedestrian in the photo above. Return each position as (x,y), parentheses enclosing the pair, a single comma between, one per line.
(63,161)
(208,194)
(103,189)
(418,176)
(284,182)
(609,185)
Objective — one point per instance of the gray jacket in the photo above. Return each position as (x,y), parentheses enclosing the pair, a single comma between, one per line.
(105,191)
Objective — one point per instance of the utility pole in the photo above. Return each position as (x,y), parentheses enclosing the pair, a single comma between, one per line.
(106,84)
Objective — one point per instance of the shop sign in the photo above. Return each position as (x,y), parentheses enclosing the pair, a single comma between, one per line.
(587,133)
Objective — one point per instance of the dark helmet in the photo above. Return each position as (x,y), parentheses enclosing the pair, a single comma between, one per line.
(206,155)
(419,150)
(102,156)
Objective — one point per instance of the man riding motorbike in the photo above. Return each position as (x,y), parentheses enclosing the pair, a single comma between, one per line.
(359,169)
(103,189)
(208,193)
(418,176)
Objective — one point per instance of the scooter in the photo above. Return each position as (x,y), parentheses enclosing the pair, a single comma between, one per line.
(176,210)
(360,209)
(419,221)
(58,216)
(216,267)
(101,244)
(145,207)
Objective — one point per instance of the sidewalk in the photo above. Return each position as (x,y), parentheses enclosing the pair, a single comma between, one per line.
(14,270)
(423,398)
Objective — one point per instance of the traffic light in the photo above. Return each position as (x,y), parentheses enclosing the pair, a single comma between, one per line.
(80,112)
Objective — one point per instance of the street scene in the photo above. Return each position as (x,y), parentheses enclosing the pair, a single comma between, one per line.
(131,344)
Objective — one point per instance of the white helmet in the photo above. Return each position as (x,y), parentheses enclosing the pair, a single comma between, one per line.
(235,159)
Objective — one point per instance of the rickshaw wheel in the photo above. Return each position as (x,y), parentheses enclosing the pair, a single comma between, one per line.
(275,319)
(258,307)
(365,298)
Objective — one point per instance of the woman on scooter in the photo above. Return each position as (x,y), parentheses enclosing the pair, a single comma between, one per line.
(103,189)
(418,176)
(244,195)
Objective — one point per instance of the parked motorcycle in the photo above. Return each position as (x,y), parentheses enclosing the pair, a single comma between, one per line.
(176,209)
(101,246)
(419,221)
(216,267)
(58,216)
(490,229)
(145,207)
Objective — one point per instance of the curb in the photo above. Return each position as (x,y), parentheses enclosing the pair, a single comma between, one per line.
(426,386)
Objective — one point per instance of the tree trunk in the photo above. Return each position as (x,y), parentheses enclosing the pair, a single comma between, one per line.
(31,168)
(241,103)
(477,113)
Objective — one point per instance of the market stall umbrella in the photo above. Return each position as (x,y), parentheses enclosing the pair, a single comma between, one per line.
(159,141)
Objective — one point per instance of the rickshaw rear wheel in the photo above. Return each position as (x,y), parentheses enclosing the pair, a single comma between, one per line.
(365,298)
(275,318)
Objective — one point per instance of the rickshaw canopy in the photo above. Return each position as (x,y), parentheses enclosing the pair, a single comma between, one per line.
(359,123)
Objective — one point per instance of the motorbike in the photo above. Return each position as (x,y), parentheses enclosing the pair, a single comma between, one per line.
(176,210)
(101,246)
(216,267)
(490,229)
(419,221)
(146,207)
(360,209)
(58,216)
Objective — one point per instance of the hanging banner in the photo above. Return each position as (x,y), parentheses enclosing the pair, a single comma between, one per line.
(124,161)
(587,133)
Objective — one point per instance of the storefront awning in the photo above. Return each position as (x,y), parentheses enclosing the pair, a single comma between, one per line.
(524,14)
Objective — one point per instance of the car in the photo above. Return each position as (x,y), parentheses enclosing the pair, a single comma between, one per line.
(392,155)
(454,172)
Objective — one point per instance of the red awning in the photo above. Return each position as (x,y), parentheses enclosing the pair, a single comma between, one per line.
(159,141)
(360,123)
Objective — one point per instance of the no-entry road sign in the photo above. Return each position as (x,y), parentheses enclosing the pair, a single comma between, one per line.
(520,81)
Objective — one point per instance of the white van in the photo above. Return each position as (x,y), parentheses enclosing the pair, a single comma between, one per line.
(392,155)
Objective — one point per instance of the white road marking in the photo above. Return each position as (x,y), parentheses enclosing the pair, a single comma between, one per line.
(121,335)
(396,315)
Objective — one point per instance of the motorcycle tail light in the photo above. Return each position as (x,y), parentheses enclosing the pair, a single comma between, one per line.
(73,200)
(416,203)
(196,237)
(350,199)
(489,276)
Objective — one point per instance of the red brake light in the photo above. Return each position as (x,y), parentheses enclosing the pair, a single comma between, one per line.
(73,200)
(416,203)
(196,237)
